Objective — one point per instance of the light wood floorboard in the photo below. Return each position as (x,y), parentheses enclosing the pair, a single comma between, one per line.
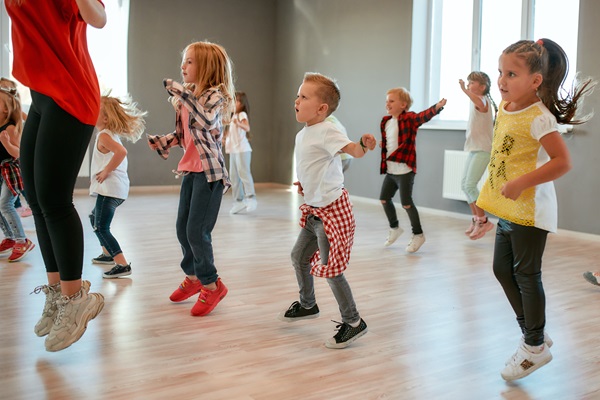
(439,324)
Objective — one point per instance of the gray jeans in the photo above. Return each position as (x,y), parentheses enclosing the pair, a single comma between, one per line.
(311,238)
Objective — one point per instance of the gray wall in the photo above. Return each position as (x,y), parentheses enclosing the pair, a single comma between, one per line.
(366,46)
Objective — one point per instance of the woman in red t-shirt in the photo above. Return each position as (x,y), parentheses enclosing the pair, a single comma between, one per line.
(51,58)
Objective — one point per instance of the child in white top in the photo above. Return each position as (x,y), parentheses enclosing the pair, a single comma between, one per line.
(528,153)
(479,144)
(324,244)
(109,181)
(238,147)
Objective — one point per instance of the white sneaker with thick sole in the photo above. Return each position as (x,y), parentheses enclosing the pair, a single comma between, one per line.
(237,207)
(72,319)
(393,235)
(415,243)
(524,362)
(250,203)
(44,325)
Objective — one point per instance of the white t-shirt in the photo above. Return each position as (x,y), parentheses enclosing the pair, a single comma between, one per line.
(318,162)
(117,183)
(480,129)
(237,141)
(391,144)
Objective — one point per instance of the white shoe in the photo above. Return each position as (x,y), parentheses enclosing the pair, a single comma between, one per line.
(415,243)
(238,207)
(393,235)
(524,362)
(250,203)
(547,341)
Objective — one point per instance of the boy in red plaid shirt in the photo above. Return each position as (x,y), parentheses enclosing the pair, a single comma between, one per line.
(324,244)
(399,161)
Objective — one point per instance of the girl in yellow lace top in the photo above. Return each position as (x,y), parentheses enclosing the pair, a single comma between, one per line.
(528,153)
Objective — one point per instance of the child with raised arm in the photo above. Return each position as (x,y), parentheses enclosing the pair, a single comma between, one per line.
(324,243)
(528,153)
(399,161)
(479,144)
(118,119)
(238,147)
(11,124)
(203,103)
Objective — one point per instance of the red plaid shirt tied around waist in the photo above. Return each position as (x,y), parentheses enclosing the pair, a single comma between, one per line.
(339,225)
(11,173)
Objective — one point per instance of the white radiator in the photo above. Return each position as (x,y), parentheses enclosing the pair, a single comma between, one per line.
(454,165)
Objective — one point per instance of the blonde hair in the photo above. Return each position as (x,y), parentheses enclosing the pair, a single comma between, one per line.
(403,95)
(327,90)
(215,70)
(10,97)
(124,118)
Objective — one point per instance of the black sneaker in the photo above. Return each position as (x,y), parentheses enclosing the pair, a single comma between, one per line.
(346,335)
(296,312)
(103,259)
(117,271)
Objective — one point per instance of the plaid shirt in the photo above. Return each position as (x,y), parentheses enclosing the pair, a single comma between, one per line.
(339,225)
(205,126)
(11,174)
(408,123)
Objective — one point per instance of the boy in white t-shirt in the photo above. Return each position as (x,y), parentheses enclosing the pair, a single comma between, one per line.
(324,244)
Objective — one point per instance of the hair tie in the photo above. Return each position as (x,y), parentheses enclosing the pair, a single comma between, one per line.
(9,90)
(540,42)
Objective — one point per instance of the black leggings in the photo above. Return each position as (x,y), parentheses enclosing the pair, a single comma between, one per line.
(404,183)
(52,149)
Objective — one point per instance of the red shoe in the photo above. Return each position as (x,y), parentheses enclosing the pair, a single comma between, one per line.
(208,299)
(187,289)
(6,246)
(25,212)
(20,250)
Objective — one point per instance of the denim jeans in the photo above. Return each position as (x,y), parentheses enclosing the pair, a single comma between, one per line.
(101,218)
(199,204)
(517,265)
(477,162)
(311,238)
(404,183)
(10,222)
(242,184)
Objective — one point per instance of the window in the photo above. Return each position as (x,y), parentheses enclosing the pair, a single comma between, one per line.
(468,35)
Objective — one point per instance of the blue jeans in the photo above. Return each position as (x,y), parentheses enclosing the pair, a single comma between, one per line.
(199,204)
(311,238)
(477,162)
(404,183)
(242,184)
(517,264)
(10,222)
(101,217)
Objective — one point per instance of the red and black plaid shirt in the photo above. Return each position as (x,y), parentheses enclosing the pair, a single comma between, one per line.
(408,123)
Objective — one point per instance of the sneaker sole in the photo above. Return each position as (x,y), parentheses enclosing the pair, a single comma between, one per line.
(24,254)
(528,371)
(347,342)
(103,262)
(283,318)
(83,327)
(116,275)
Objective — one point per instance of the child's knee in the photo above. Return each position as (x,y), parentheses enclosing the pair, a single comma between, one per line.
(383,201)
(407,206)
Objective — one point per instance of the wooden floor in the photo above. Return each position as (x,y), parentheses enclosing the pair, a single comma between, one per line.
(439,324)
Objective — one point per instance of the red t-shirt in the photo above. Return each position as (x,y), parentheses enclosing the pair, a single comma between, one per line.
(51,56)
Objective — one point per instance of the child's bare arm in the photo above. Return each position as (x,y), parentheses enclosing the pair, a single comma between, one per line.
(359,149)
(478,101)
(10,139)
(559,164)
(244,124)
(106,144)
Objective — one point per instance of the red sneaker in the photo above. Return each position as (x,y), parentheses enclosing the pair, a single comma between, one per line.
(20,250)
(187,289)
(6,246)
(209,299)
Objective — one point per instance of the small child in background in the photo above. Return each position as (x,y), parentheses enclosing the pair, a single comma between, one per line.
(203,103)
(118,119)
(238,147)
(478,143)
(11,127)
(528,154)
(399,161)
(592,277)
(325,241)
